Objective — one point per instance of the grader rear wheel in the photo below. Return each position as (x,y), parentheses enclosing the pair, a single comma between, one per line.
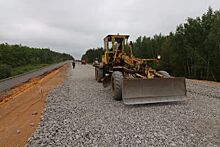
(98,74)
(116,80)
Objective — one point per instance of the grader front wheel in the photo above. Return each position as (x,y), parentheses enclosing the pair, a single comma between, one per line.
(116,80)
(164,73)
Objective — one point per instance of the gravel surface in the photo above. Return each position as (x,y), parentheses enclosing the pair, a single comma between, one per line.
(82,113)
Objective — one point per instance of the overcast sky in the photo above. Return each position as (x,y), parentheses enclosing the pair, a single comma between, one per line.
(72,26)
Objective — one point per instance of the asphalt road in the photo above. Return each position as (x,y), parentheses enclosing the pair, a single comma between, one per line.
(14,81)
(83,113)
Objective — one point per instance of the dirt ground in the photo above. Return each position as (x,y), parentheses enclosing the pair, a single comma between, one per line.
(21,107)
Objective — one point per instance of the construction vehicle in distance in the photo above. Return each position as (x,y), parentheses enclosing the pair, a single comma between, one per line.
(132,79)
(83,61)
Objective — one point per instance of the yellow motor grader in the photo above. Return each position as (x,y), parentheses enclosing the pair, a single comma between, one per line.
(132,79)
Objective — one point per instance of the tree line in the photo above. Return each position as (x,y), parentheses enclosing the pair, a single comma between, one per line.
(193,50)
(92,54)
(16,59)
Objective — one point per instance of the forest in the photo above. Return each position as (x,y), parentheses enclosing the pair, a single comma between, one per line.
(192,50)
(17,59)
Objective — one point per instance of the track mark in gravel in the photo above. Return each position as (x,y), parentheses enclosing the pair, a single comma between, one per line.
(208,89)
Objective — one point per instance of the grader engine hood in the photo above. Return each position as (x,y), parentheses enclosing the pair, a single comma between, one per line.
(141,91)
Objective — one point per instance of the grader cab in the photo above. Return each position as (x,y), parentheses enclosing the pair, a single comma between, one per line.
(132,79)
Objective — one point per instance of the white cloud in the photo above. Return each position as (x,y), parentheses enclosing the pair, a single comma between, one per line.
(72,26)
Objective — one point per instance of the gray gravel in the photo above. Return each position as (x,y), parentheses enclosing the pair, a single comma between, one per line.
(82,113)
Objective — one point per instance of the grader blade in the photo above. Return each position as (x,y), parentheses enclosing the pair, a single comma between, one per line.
(142,91)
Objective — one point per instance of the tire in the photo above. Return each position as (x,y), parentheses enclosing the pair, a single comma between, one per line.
(98,74)
(116,81)
(164,73)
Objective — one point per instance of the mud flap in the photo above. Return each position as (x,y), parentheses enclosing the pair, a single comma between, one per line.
(141,91)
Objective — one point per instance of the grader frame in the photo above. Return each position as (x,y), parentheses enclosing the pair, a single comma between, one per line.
(133,79)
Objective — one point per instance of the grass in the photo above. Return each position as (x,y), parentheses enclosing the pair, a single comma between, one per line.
(26,68)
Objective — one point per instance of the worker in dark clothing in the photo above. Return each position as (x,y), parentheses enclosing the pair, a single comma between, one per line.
(73,64)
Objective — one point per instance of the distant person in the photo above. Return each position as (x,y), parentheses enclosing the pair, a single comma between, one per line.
(73,64)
